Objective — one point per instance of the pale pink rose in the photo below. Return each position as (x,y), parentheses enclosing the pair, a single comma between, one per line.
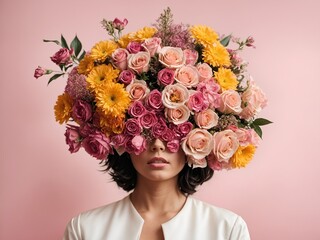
(197,102)
(120,58)
(139,144)
(153,100)
(134,47)
(255,139)
(62,57)
(73,138)
(177,115)
(174,95)
(230,102)
(132,127)
(187,75)
(126,77)
(81,111)
(206,119)
(118,24)
(166,76)
(152,45)
(243,135)
(196,163)
(97,145)
(173,146)
(225,145)
(137,90)
(171,57)
(136,109)
(205,71)
(214,164)
(198,143)
(139,62)
(191,56)
(253,101)
(148,119)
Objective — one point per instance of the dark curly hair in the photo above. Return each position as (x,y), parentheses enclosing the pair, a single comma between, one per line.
(124,174)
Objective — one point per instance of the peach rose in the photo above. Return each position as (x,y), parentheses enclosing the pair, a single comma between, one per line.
(171,57)
(152,45)
(138,90)
(253,101)
(119,58)
(174,95)
(198,143)
(177,115)
(206,119)
(230,102)
(187,76)
(139,62)
(205,71)
(196,163)
(244,135)
(225,145)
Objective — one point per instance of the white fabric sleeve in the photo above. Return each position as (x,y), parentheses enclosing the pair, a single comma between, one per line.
(72,231)
(240,230)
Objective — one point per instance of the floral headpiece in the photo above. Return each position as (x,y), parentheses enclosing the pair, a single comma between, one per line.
(179,83)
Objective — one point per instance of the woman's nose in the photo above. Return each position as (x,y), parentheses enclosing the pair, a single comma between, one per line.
(157,145)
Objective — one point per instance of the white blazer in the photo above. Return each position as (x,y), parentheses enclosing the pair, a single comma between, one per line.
(121,221)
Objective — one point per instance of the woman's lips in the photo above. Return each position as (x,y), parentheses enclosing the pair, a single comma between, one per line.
(157,162)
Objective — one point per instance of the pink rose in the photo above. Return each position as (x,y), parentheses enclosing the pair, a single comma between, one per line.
(118,24)
(154,100)
(39,72)
(133,127)
(165,76)
(126,77)
(73,138)
(137,90)
(134,47)
(81,111)
(139,144)
(139,62)
(86,129)
(205,71)
(174,95)
(225,145)
(119,58)
(118,142)
(196,163)
(173,146)
(97,145)
(243,135)
(206,119)
(177,115)
(171,57)
(148,119)
(185,128)
(230,102)
(191,56)
(210,89)
(253,101)
(198,143)
(158,128)
(152,45)
(216,165)
(62,57)
(197,102)
(136,109)
(168,135)
(187,76)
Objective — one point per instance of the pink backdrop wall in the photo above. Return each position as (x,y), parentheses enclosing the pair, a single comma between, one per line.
(42,186)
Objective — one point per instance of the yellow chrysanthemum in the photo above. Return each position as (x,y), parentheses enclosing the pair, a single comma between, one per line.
(226,79)
(124,41)
(100,74)
(242,156)
(102,50)
(62,108)
(216,55)
(143,34)
(112,99)
(204,35)
(86,65)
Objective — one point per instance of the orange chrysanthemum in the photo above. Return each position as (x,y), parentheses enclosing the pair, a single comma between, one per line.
(62,108)
(143,34)
(86,65)
(242,156)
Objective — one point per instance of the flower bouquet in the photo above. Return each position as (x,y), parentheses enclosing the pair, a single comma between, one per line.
(182,84)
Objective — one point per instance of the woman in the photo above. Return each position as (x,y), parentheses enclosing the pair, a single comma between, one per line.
(160,205)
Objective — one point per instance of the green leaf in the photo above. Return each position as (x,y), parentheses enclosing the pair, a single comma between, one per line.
(55,41)
(76,45)
(225,41)
(261,121)
(257,129)
(82,56)
(55,77)
(64,43)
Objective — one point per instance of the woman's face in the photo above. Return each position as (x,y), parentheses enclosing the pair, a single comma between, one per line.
(157,163)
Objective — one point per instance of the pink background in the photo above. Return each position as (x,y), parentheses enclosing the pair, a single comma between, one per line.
(42,185)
